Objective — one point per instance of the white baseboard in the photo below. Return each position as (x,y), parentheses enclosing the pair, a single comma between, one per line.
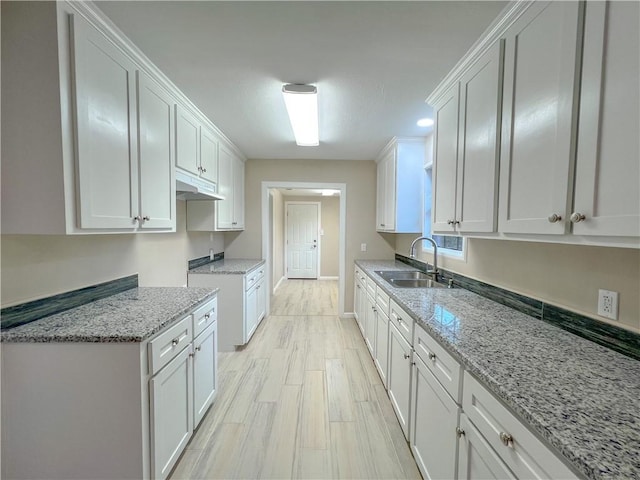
(282,279)
(348,315)
(328,278)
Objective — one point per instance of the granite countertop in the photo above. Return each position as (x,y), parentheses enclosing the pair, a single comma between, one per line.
(583,398)
(130,316)
(229,266)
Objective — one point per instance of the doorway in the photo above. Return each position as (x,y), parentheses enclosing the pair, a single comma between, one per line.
(271,236)
(302,248)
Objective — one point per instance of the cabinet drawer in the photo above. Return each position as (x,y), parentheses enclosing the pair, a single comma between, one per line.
(169,343)
(382,300)
(252,277)
(402,321)
(443,366)
(371,287)
(204,316)
(518,447)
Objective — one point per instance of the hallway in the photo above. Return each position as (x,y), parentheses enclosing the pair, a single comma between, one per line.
(302,400)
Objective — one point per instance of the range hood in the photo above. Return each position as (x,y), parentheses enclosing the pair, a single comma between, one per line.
(190,187)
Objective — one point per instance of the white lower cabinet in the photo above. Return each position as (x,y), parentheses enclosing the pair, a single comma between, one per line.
(399,380)
(241,308)
(434,418)
(476,459)
(381,358)
(171,392)
(370,324)
(205,372)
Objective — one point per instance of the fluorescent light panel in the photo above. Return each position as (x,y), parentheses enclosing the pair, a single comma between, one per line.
(302,106)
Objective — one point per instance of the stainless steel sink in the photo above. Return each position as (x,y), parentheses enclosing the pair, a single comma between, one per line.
(408,279)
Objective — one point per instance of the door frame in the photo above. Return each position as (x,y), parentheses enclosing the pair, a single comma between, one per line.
(286,234)
(342,235)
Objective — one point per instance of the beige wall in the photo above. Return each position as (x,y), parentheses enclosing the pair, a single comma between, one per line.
(330,223)
(36,266)
(360,180)
(568,276)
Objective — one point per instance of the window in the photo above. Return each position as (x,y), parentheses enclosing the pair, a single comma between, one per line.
(449,245)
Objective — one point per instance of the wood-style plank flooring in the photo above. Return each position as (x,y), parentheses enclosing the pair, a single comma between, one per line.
(301,400)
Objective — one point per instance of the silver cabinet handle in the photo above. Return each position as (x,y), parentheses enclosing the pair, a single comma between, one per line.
(506,439)
(206,316)
(146,218)
(459,432)
(204,170)
(577,217)
(449,222)
(432,356)
(175,341)
(136,218)
(198,348)
(554,218)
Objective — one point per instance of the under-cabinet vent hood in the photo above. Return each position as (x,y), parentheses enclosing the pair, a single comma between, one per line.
(190,187)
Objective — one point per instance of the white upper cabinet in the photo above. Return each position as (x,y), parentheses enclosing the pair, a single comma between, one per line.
(230,211)
(399,186)
(608,157)
(105,114)
(466,148)
(539,79)
(208,154)
(196,145)
(156,155)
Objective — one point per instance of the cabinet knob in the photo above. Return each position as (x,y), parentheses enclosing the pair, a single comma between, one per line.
(456,222)
(198,348)
(382,224)
(554,218)
(432,356)
(234,223)
(459,432)
(406,355)
(175,341)
(206,316)
(204,170)
(577,217)
(506,439)
(146,218)
(449,222)
(136,218)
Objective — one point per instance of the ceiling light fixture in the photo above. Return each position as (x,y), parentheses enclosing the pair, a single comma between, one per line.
(302,106)
(425,122)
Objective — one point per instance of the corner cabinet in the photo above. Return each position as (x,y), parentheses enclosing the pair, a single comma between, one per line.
(466,149)
(399,186)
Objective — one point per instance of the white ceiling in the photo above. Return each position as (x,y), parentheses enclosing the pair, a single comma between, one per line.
(374,64)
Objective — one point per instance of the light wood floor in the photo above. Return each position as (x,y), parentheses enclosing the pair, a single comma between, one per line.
(302,400)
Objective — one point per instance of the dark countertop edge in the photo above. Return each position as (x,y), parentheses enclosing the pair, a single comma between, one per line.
(115,339)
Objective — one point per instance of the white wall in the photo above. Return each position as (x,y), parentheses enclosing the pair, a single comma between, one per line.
(36,266)
(277,254)
(568,276)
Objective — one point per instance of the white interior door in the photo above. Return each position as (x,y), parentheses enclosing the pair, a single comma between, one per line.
(302,240)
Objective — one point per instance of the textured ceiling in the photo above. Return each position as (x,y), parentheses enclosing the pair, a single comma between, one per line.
(374,64)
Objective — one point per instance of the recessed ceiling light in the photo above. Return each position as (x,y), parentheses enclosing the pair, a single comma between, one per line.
(425,122)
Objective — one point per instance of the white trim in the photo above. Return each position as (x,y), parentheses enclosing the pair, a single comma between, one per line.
(342,240)
(286,234)
(347,315)
(282,279)
(328,278)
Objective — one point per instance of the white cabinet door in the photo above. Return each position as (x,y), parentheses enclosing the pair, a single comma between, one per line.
(380,195)
(238,194)
(381,359)
(476,459)
(399,379)
(261,301)
(171,393)
(370,325)
(390,203)
(445,162)
(105,114)
(187,140)
(434,419)
(537,118)
(357,293)
(607,180)
(208,155)
(224,208)
(205,373)
(478,149)
(156,155)
(251,312)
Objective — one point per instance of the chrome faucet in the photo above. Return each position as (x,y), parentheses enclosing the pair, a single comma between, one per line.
(412,254)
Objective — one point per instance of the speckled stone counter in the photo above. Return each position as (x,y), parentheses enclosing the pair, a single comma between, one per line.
(131,316)
(582,398)
(229,266)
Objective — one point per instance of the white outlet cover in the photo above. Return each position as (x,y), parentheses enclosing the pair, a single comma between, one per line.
(608,304)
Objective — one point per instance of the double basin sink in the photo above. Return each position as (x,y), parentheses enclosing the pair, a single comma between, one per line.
(409,279)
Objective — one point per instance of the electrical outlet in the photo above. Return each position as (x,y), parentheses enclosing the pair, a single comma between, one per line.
(211,254)
(363,247)
(608,304)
